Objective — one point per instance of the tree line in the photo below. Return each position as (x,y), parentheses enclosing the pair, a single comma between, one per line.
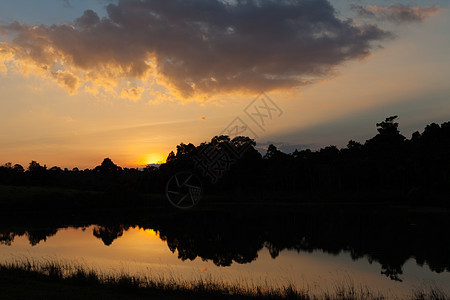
(386,167)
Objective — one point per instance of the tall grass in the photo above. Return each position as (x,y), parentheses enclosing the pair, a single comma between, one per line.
(67,273)
(429,294)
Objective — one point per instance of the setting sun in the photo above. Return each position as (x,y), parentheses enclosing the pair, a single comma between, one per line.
(149,232)
(152,158)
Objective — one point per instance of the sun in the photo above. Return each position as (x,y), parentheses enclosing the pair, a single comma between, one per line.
(152,158)
(149,232)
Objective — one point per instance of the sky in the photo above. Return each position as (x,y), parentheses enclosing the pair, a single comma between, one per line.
(130,80)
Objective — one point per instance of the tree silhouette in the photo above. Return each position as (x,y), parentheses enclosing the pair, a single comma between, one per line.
(108,167)
(388,126)
(18,168)
(184,150)
(272,152)
(35,167)
(171,157)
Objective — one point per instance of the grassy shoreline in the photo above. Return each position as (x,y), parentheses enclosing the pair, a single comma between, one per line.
(51,280)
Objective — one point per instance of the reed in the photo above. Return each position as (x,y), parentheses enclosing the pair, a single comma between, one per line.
(69,275)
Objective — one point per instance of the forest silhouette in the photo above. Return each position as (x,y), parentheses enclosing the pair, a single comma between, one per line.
(386,168)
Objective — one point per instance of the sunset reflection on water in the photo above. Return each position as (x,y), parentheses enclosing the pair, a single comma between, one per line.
(141,252)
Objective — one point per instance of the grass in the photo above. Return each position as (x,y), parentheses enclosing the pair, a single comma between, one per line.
(76,282)
(30,279)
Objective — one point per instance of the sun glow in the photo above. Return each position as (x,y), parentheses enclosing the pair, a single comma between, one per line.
(149,232)
(152,158)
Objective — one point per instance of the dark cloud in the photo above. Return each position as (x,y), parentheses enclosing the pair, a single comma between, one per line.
(397,13)
(88,19)
(203,46)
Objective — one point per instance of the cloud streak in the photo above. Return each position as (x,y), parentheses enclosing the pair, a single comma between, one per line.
(396,13)
(191,47)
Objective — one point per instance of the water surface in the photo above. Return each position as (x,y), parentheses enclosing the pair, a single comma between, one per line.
(389,252)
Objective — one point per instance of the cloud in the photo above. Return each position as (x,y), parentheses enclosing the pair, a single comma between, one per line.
(67,80)
(397,13)
(66,3)
(193,47)
(133,94)
(88,19)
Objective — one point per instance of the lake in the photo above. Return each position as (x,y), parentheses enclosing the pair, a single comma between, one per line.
(389,250)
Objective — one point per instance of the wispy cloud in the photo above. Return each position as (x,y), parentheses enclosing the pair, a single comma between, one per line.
(397,13)
(66,3)
(191,47)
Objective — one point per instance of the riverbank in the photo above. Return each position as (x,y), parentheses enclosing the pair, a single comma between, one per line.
(53,280)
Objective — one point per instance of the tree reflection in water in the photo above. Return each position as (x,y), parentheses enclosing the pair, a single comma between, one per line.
(387,237)
(109,233)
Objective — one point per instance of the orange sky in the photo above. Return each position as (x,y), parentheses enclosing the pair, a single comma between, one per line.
(74,116)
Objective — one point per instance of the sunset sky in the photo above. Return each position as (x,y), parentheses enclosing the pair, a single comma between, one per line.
(129,80)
